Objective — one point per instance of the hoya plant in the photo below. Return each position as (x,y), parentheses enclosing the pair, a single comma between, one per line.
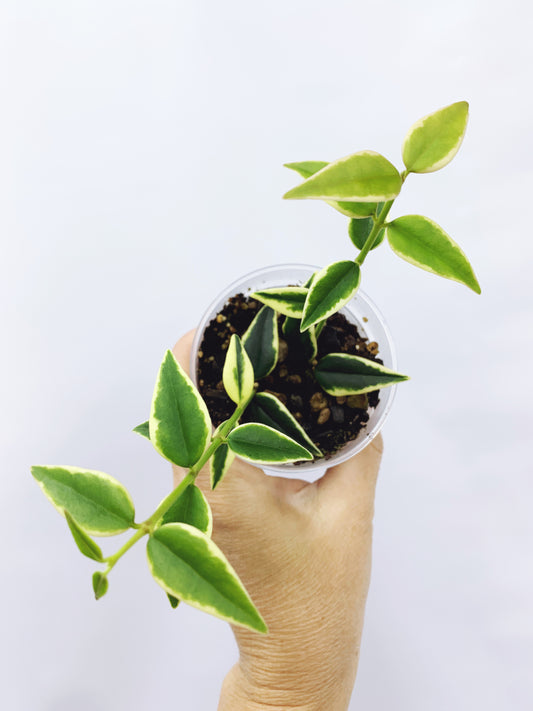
(182,557)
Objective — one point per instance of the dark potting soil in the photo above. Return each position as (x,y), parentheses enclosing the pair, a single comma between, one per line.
(329,421)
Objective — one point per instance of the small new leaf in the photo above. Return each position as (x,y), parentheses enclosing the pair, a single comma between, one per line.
(143,429)
(266,409)
(433,141)
(99,504)
(341,374)
(287,300)
(332,288)
(362,177)
(189,566)
(219,464)
(85,543)
(266,445)
(238,372)
(192,508)
(100,584)
(359,231)
(261,342)
(422,242)
(180,425)
(174,602)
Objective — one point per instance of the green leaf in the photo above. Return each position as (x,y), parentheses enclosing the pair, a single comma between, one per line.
(266,409)
(332,288)
(359,231)
(180,425)
(433,141)
(219,464)
(307,168)
(265,445)
(174,602)
(100,584)
(189,566)
(351,209)
(192,508)
(143,429)
(85,543)
(261,342)
(362,177)
(306,340)
(422,242)
(98,503)
(238,372)
(354,210)
(287,300)
(342,374)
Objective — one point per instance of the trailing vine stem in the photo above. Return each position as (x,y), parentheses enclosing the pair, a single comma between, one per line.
(374,233)
(148,526)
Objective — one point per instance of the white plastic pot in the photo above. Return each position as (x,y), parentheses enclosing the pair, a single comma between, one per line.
(360,310)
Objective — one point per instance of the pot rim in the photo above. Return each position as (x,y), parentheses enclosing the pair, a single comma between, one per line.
(366,308)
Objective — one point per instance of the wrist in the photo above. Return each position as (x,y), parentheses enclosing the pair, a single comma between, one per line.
(239,693)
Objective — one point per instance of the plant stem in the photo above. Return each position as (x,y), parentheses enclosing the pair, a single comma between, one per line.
(376,229)
(112,559)
(378,224)
(146,527)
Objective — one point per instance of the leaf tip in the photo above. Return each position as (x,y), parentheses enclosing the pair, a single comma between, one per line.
(475,286)
(290,194)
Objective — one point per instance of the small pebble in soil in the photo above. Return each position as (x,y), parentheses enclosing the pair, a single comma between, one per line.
(318,401)
(337,414)
(323,416)
(359,401)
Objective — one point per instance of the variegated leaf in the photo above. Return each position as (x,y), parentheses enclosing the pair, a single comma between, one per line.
(266,445)
(219,464)
(99,504)
(143,429)
(342,374)
(350,209)
(190,567)
(85,543)
(433,141)
(359,231)
(354,210)
(422,242)
(268,410)
(362,177)
(307,168)
(238,372)
(332,288)
(287,300)
(261,342)
(193,508)
(180,425)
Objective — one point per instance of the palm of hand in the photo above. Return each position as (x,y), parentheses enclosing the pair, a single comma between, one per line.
(303,551)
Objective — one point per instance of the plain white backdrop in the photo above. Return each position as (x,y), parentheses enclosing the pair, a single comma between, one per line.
(141,152)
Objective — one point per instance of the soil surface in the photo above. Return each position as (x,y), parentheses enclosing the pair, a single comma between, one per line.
(329,421)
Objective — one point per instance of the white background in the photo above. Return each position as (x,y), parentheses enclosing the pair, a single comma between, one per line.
(141,152)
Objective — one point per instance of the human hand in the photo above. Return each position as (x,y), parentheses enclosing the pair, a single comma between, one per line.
(303,552)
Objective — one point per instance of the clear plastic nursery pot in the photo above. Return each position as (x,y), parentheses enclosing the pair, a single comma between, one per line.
(360,310)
